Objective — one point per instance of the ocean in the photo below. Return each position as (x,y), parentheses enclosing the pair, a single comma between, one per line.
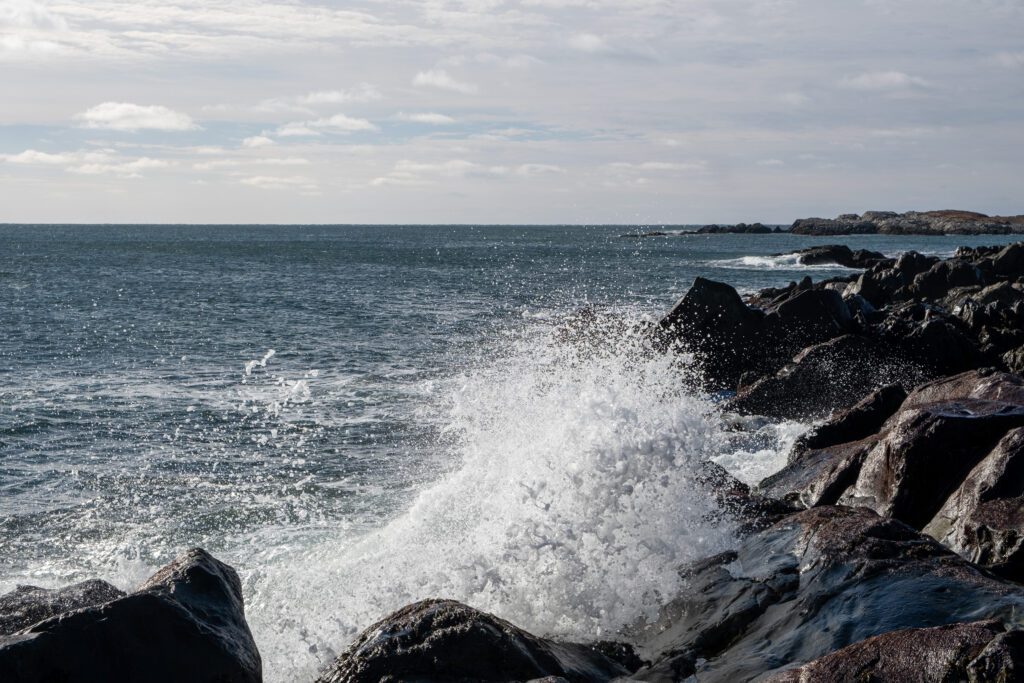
(358,417)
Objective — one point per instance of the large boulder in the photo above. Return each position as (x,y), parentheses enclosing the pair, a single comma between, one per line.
(713,323)
(27,605)
(862,420)
(915,655)
(814,583)
(984,518)
(443,641)
(839,254)
(825,378)
(186,623)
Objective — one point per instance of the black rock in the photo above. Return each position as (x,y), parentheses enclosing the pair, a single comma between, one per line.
(916,655)
(723,333)
(814,583)
(838,254)
(186,623)
(983,520)
(862,420)
(444,641)
(27,605)
(826,378)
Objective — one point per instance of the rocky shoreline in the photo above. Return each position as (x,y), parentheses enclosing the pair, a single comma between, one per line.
(890,547)
(944,222)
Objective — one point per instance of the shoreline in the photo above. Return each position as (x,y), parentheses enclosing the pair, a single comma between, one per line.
(888,357)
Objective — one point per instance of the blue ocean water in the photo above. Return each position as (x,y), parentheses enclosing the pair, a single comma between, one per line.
(361,416)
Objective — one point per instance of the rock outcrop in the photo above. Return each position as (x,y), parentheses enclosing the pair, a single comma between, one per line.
(186,623)
(916,655)
(947,222)
(838,254)
(443,641)
(814,583)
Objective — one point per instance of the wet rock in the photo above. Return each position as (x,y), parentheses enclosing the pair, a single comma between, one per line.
(825,378)
(814,583)
(936,282)
(1002,660)
(862,420)
(186,623)
(446,641)
(723,333)
(926,454)
(27,605)
(984,384)
(983,520)
(918,655)
(838,254)
(819,476)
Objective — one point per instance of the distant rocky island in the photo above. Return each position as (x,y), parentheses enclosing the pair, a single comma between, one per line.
(946,222)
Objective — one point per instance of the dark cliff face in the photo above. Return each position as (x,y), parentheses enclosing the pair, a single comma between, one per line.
(946,222)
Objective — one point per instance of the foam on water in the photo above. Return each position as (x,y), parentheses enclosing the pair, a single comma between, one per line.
(566,504)
(779,262)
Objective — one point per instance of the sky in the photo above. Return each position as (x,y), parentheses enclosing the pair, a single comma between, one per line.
(507,111)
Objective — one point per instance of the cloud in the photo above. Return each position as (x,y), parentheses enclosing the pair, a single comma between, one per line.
(125,116)
(588,42)
(1009,60)
(427,117)
(302,103)
(771,162)
(87,162)
(362,93)
(257,141)
(439,78)
(266,182)
(883,80)
(26,14)
(537,169)
(339,123)
(128,169)
(31,156)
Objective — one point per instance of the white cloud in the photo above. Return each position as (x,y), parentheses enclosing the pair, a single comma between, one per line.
(588,42)
(362,93)
(339,123)
(31,156)
(439,78)
(771,162)
(537,169)
(128,169)
(883,80)
(257,141)
(26,14)
(280,182)
(125,116)
(88,162)
(427,117)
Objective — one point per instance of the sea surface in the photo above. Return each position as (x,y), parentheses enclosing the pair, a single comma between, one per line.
(358,417)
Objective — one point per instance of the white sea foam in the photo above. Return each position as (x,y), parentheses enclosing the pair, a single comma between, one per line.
(779,262)
(567,505)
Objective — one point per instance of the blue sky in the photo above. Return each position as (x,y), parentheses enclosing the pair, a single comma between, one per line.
(501,111)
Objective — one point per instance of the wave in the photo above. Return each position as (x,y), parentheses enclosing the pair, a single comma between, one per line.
(567,503)
(779,262)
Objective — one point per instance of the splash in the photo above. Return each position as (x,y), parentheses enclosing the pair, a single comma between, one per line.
(778,262)
(567,505)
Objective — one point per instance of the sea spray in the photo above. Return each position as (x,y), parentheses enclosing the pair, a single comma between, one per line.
(567,506)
